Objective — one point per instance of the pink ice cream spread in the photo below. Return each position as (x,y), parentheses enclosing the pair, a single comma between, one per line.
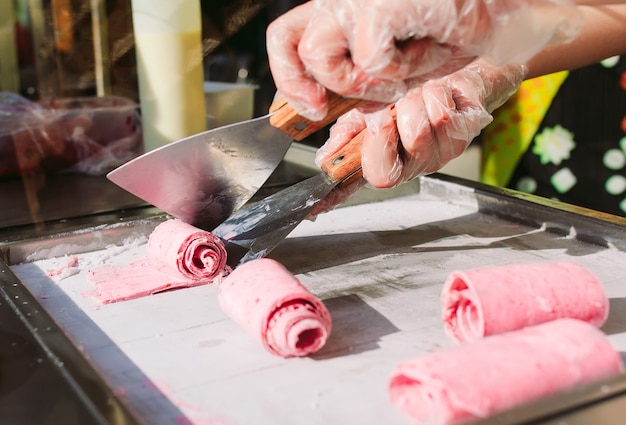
(271,304)
(478,379)
(491,300)
(178,255)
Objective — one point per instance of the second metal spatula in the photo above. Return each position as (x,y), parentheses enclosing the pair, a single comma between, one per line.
(256,229)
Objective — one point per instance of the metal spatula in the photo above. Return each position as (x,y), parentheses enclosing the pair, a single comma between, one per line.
(203,178)
(253,231)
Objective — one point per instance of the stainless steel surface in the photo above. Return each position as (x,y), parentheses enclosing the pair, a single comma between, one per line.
(202,179)
(44,378)
(60,197)
(378,271)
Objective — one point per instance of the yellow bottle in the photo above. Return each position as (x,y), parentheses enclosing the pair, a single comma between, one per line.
(168,40)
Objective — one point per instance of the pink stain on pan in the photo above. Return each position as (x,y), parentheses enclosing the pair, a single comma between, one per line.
(478,379)
(492,300)
(68,268)
(271,304)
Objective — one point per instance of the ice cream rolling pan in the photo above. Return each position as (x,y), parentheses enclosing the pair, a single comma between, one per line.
(254,230)
(202,179)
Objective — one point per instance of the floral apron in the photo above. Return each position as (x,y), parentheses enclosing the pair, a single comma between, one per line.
(563,136)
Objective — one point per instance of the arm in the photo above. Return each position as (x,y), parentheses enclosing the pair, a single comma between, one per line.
(603,35)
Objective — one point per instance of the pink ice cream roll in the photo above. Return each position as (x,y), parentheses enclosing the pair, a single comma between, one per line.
(271,304)
(492,300)
(186,250)
(178,256)
(478,379)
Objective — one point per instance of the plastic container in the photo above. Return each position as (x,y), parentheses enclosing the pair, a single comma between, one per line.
(90,135)
(168,43)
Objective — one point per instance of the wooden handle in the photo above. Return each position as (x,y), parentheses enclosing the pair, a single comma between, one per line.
(345,164)
(286,119)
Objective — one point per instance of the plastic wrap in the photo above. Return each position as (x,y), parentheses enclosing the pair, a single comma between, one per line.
(90,135)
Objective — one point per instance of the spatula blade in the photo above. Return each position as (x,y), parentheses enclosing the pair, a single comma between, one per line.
(203,178)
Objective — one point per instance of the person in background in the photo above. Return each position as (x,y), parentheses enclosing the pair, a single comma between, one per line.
(432,71)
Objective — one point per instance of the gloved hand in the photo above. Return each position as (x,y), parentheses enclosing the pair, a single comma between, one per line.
(427,128)
(379,49)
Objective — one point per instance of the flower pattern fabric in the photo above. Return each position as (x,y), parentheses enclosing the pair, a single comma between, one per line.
(575,151)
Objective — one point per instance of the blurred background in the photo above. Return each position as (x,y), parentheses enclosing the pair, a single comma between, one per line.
(71,48)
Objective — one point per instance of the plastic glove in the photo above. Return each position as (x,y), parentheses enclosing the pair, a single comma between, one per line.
(379,49)
(303,93)
(433,124)
(295,62)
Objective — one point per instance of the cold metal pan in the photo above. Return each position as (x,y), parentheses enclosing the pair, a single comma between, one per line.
(175,356)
